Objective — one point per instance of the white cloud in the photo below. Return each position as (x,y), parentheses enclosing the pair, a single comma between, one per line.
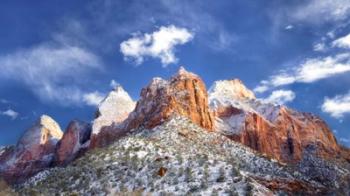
(343,42)
(289,27)
(10,113)
(160,44)
(344,140)
(310,71)
(320,47)
(317,11)
(93,99)
(51,71)
(280,97)
(337,106)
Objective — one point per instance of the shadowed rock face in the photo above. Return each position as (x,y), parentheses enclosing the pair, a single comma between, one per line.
(276,131)
(74,142)
(34,151)
(184,94)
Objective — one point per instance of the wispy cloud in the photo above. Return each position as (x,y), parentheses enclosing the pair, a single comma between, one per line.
(10,113)
(159,44)
(345,140)
(337,106)
(93,99)
(319,47)
(317,11)
(289,27)
(342,42)
(280,97)
(50,70)
(309,71)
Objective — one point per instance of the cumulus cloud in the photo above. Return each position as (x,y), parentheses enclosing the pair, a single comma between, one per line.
(317,11)
(343,42)
(159,44)
(10,113)
(280,97)
(309,71)
(337,106)
(93,99)
(51,71)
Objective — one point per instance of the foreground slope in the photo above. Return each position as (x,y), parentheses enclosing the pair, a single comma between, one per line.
(179,157)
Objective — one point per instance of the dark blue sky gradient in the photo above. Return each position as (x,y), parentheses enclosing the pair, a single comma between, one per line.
(256,45)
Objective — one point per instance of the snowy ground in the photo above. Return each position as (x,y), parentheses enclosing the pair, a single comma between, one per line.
(177,157)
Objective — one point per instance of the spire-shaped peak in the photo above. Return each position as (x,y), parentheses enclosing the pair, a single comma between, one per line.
(118,88)
(231,89)
(182,70)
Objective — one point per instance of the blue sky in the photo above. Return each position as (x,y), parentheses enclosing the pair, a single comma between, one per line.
(59,58)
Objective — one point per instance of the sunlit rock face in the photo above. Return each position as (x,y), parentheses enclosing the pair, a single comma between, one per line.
(184,94)
(112,111)
(74,142)
(33,152)
(270,129)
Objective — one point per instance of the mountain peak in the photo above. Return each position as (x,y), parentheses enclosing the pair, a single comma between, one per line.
(182,72)
(118,87)
(113,110)
(44,130)
(230,89)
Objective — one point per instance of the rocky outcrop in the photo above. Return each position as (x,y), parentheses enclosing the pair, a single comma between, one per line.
(74,142)
(184,94)
(112,111)
(273,130)
(34,151)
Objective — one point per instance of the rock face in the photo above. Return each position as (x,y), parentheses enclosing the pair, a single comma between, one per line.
(112,111)
(276,131)
(74,142)
(34,151)
(184,94)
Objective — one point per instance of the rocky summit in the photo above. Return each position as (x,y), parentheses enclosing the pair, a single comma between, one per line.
(180,139)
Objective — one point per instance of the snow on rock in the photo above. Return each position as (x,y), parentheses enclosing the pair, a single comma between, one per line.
(183,94)
(115,108)
(230,89)
(180,158)
(112,111)
(272,129)
(33,152)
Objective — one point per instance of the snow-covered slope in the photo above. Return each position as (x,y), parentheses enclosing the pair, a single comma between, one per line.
(179,158)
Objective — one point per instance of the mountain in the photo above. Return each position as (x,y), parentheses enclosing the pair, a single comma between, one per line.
(253,123)
(34,151)
(180,139)
(113,110)
(75,141)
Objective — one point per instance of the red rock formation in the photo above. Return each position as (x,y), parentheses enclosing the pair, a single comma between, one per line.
(184,94)
(275,131)
(74,142)
(34,151)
